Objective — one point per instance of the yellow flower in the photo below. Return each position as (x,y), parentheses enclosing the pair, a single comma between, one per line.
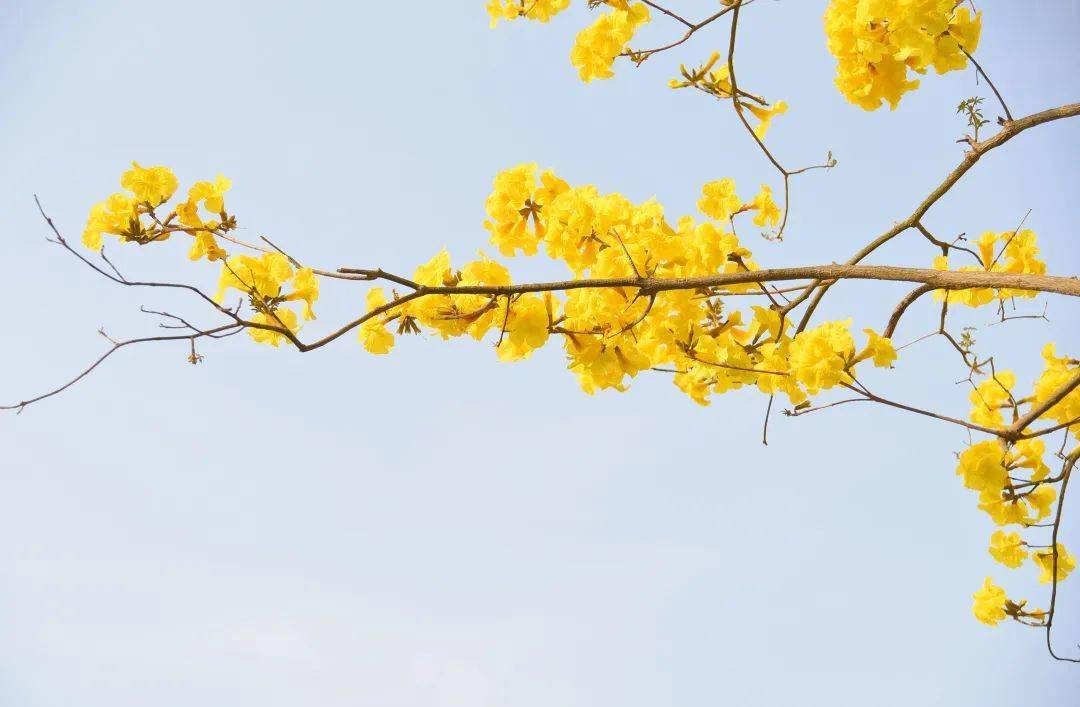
(989,606)
(774,362)
(435,272)
(516,208)
(820,356)
(205,245)
(1044,559)
(305,287)
(373,333)
(480,313)
(1041,500)
(1018,254)
(982,468)
(281,316)
(1056,373)
(1028,454)
(767,210)
(212,194)
(540,10)
(876,43)
(878,348)
(765,114)
(598,44)
(719,200)
(988,398)
(264,275)
(1002,509)
(1007,548)
(526,328)
(113,216)
(152,185)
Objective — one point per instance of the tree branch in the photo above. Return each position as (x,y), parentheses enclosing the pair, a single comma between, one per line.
(971,157)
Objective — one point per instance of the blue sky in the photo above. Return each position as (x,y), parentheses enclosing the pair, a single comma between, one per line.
(436,528)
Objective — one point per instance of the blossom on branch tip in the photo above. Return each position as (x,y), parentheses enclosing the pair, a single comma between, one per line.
(989,606)
(150,185)
(877,42)
(373,333)
(540,10)
(597,46)
(1007,548)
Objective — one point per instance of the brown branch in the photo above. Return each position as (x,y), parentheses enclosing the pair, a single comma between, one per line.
(937,279)
(671,14)
(946,247)
(1066,473)
(978,68)
(739,111)
(927,413)
(908,300)
(640,56)
(1037,411)
(117,277)
(971,157)
(1048,430)
(799,412)
(116,346)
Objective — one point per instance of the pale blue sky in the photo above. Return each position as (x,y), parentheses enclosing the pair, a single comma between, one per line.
(436,528)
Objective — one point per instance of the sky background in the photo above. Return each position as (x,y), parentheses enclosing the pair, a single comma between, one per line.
(437,528)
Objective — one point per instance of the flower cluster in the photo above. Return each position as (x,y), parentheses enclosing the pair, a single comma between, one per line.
(1011,477)
(1013,483)
(1018,254)
(990,467)
(610,334)
(992,605)
(523,323)
(142,216)
(540,10)
(134,217)
(129,216)
(877,42)
(878,45)
(1057,372)
(262,280)
(597,46)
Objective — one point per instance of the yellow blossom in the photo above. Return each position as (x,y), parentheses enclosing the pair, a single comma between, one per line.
(765,114)
(989,397)
(878,348)
(719,200)
(767,210)
(1007,548)
(1044,560)
(597,46)
(152,185)
(877,42)
(373,333)
(820,356)
(540,10)
(982,468)
(305,288)
(989,606)
(262,276)
(113,216)
(281,317)
(1006,252)
(526,328)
